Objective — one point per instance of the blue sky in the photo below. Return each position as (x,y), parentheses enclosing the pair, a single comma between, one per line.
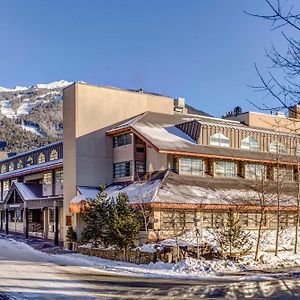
(202,50)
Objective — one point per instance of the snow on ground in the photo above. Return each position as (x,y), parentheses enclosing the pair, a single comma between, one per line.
(52,85)
(31,128)
(6,109)
(24,108)
(187,269)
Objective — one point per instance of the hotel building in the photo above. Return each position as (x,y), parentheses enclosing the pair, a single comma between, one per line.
(189,169)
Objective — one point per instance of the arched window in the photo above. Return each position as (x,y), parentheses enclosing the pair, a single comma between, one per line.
(20,164)
(277,147)
(53,155)
(219,139)
(29,161)
(250,143)
(11,166)
(41,158)
(3,168)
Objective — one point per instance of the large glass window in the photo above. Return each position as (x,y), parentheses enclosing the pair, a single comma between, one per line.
(219,139)
(298,150)
(277,147)
(191,166)
(122,140)
(285,173)
(254,171)
(225,169)
(140,167)
(249,143)
(47,178)
(123,169)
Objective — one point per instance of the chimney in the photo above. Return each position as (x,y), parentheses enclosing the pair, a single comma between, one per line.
(179,105)
(294,111)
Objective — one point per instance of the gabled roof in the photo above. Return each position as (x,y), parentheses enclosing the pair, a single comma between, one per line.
(160,132)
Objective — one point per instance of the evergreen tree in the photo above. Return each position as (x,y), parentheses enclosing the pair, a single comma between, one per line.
(95,218)
(123,222)
(233,242)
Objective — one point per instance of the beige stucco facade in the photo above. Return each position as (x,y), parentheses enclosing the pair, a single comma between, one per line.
(89,111)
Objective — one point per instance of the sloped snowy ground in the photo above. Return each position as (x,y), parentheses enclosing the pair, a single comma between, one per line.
(187,269)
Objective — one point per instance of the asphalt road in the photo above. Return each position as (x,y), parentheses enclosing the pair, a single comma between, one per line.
(27,275)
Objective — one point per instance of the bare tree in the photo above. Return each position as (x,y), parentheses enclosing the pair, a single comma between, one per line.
(284,87)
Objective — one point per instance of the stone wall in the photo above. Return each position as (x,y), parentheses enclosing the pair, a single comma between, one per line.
(133,256)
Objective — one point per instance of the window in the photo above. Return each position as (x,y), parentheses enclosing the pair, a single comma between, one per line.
(123,169)
(59,176)
(298,150)
(140,149)
(3,168)
(285,173)
(41,158)
(254,171)
(249,143)
(5,185)
(20,164)
(53,155)
(219,139)
(225,169)
(11,166)
(122,140)
(140,167)
(191,166)
(277,147)
(29,161)
(47,178)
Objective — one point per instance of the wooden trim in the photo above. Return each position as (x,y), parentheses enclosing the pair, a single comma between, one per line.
(225,157)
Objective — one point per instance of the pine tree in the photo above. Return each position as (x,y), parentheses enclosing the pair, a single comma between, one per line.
(123,222)
(233,242)
(95,218)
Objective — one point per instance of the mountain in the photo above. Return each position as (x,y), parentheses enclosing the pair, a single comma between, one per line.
(31,116)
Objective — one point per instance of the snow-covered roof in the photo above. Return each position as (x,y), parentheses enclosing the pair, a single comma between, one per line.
(88,192)
(30,169)
(160,131)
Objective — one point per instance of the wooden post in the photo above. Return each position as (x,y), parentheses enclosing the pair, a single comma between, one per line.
(6,221)
(56,220)
(25,222)
(46,223)
(1,217)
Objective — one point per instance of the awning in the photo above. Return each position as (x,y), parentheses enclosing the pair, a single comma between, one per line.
(77,204)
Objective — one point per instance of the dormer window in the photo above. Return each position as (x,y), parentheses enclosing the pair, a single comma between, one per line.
(20,164)
(41,158)
(250,143)
(29,161)
(11,166)
(53,155)
(277,147)
(219,139)
(3,168)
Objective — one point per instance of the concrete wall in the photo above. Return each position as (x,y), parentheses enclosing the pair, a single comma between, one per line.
(89,111)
